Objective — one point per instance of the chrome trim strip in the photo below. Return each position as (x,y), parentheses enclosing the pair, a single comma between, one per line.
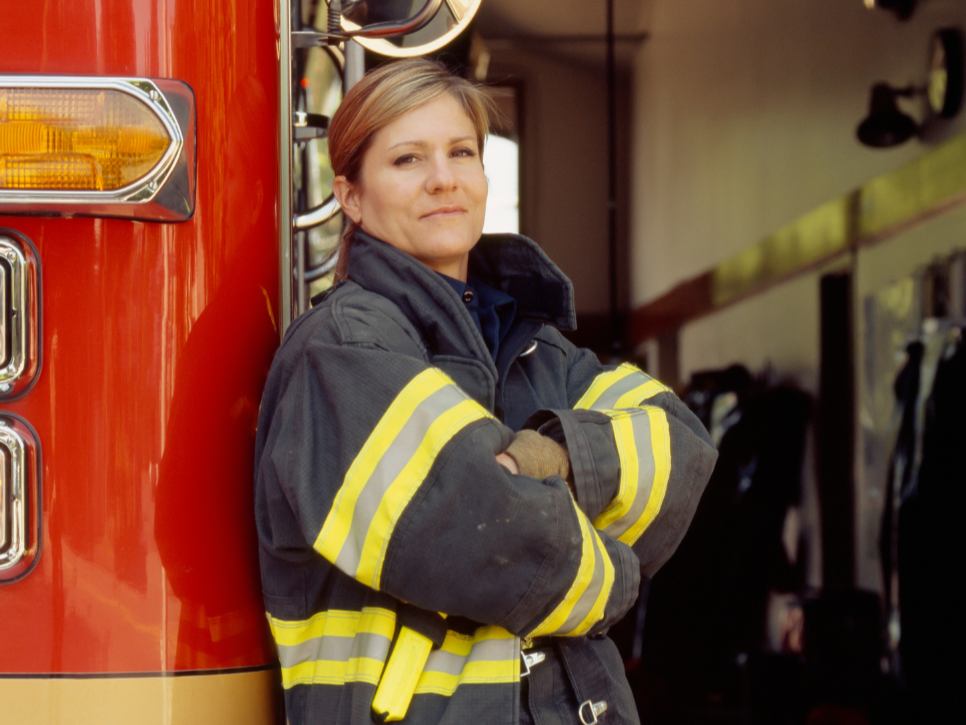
(13,476)
(355,64)
(4,314)
(285,148)
(330,207)
(141,191)
(16,316)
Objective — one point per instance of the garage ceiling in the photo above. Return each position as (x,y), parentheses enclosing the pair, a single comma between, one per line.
(572,28)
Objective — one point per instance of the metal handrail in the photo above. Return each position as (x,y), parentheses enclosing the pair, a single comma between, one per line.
(318,215)
(330,207)
(303,221)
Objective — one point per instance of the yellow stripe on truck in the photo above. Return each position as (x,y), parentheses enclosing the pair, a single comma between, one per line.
(244,698)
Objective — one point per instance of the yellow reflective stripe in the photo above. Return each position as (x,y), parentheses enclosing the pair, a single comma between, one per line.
(490,655)
(627,453)
(401,491)
(398,683)
(474,671)
(596,612)
(638,395)
(642,433)
(461,644)
(661,450)
(624,387)
(458,643)
(332,646)
(325,672)
(585,572)
(389,469)
(337,524)
(601,383)
(333,623)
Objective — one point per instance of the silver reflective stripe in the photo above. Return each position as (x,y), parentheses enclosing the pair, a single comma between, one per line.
(397,455)
(608,399)
(488,650)
(334,649)
(373,646)
(589,598)
(644,447)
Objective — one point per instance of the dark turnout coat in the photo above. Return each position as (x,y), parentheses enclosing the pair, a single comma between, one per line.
(379,500)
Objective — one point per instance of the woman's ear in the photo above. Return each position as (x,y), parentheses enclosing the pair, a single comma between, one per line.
(348,195)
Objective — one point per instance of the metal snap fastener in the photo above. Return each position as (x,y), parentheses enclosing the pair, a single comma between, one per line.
(531,660)
(593,709)
(530,349)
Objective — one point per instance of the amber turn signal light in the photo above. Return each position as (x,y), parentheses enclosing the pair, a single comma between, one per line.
(77,139)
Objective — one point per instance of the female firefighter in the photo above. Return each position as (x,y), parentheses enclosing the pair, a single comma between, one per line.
(454,503)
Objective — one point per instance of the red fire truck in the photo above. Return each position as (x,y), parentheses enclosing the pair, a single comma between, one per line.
(162,212)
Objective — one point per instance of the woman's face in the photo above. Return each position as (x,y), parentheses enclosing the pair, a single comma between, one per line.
(422,187)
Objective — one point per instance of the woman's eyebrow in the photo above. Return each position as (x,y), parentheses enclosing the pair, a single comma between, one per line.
(421,144)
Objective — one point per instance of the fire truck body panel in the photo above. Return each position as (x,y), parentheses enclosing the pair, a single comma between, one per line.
(154,345)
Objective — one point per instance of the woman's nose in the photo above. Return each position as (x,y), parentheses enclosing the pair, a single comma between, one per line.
(441,176)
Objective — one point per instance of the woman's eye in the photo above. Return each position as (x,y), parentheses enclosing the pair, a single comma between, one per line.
(403,160)
(464,152)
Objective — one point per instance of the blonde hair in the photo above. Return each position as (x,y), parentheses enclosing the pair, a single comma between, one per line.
(383,95)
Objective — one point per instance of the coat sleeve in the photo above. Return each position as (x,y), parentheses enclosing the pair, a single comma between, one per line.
(390,470)
(640,459)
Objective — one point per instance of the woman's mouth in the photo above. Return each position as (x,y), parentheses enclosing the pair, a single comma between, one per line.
(444,212)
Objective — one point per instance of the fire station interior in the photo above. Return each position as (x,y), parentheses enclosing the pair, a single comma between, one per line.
(763,203)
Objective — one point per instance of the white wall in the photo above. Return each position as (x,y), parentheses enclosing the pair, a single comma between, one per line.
(741,118)
(745,115)
(777,330)
(564,184)
(744,118)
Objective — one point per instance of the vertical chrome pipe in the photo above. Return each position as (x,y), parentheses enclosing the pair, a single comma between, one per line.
(285,146)
(355,64)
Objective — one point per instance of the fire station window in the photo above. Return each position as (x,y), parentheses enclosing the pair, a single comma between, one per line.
(501,158)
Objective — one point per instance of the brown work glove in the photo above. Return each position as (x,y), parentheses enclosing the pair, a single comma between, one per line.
(540,457)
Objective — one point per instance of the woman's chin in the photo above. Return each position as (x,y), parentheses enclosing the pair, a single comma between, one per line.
(452,265)
(447,246)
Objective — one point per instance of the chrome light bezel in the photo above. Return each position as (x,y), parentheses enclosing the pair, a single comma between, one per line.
(22,492)
(13,496)
(148,198)
(16,317)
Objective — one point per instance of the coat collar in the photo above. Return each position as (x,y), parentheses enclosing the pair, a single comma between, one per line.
(508,262)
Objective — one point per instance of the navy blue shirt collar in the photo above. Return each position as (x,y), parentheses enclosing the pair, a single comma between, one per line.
(492,311)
